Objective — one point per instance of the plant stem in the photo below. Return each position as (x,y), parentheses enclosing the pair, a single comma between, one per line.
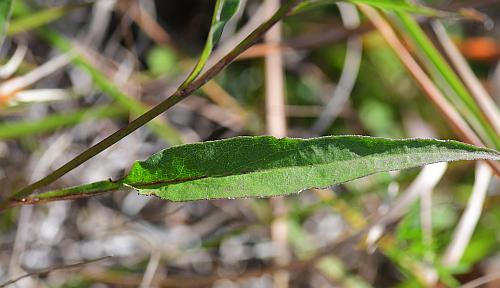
(175,98)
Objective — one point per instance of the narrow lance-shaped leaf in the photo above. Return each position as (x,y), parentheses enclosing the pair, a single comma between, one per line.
(223,11)
(264,166)
(390,5)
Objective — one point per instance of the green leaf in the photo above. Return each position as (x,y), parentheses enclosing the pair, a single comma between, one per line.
(11,130)
(263,166)
(5,10)
(223,11)
(42,17)
(162,61)
(87,189)
(391,5)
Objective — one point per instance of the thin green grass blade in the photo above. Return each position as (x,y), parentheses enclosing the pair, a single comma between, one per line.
(264,166)
(41,18)
(5,11)
(389,5)
(466,103)
(12,130)
(223,11)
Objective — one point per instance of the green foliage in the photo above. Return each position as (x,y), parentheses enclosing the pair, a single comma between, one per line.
(162,61)
(299,239)
(264,166)
(42,17)
(5,9)
(391,5)
(484,241)
(10,130)
(223,11)
(92,188)
(410,240)
(378,118)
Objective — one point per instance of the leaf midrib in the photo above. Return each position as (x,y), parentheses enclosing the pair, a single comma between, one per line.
(143,185)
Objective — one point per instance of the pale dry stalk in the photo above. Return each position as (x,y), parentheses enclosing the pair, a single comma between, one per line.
(424,82)
(276,126)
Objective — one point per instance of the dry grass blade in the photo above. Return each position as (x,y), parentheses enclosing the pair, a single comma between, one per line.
(349,74)
(431,91)
(426,180)
(481,281)
(470,217)
(51,269)
(276,126)
(456,91)
(10,67)
(275,94)
(144,20)
(482,97)
(10,87)
(151,268)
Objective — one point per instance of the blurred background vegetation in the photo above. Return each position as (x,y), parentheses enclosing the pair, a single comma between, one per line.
(74,72)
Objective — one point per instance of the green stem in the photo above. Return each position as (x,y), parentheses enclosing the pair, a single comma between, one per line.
(206,50)
(83,191)
(157,110)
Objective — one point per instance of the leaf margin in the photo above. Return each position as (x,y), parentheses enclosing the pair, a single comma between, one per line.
(103,186)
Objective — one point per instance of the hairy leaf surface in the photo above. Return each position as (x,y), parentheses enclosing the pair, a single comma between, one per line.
(264,166)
